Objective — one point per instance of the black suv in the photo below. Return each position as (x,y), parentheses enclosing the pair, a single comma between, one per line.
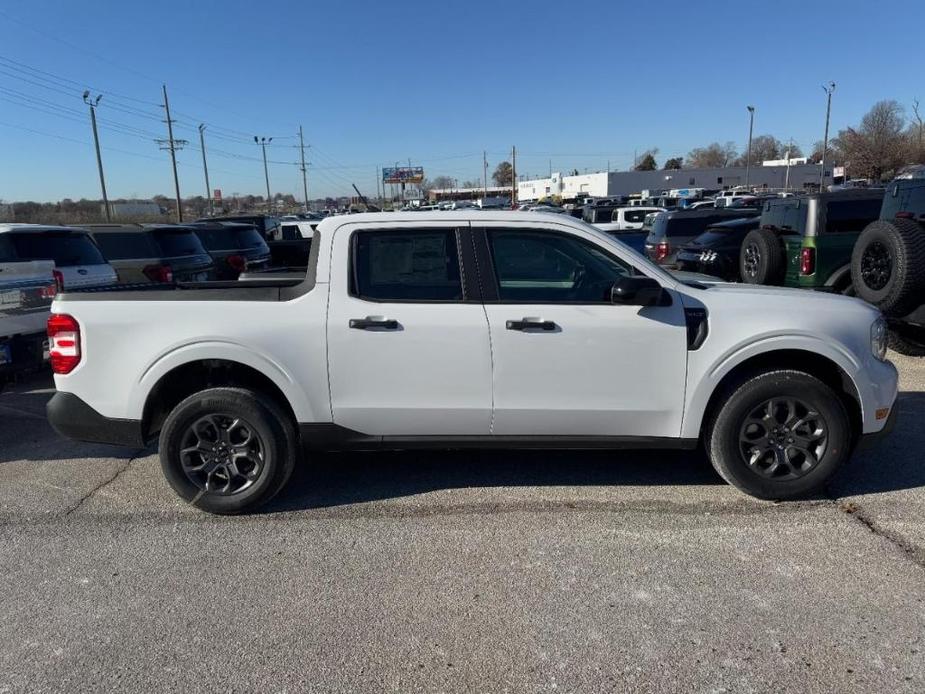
(284,251)
(162,253)
(888,264)
(234,247)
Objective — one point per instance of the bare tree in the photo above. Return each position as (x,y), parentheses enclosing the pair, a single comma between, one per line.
(503,174)
(764,148)
(878,146)
(713,156)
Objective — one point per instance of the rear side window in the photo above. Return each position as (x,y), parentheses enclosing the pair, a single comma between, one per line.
(635,216)
(178,243)
(65,248)
(785,216)
(406,266)
(290,232)
(7,253)
(230,239)
(847,216)
(129,245)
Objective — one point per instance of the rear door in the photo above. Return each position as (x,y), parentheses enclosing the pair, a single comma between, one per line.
(568,362)
(408,348)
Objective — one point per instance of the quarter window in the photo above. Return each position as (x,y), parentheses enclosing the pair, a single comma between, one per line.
(544,267)
(407,266)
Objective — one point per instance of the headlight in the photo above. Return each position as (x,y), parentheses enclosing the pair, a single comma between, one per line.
(878,338)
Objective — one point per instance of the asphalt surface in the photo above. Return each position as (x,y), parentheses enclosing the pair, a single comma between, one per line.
(460,572)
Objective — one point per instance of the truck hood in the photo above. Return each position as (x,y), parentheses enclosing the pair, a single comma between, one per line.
(803,304)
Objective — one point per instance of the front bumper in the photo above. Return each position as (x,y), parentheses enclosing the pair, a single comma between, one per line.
(73,418)
(871,440)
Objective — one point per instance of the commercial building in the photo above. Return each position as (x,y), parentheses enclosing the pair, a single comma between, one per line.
(604,184)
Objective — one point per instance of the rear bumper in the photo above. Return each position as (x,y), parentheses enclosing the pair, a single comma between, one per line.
(73,418)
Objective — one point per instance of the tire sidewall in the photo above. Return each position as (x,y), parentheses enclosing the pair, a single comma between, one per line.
(768,247)
(237,402)
(875,233)
(723,444)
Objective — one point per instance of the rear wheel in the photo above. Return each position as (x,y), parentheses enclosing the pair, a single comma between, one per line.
(761,258)
(888,265)
(227,450)
(779,435)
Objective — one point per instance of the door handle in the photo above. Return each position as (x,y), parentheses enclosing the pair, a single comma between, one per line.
(530,324)
(373,322)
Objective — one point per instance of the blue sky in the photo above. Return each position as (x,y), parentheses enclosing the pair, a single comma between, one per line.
(374,83)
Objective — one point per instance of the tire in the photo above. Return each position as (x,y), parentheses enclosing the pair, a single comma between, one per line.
(196,456)
(906,345)
(737,434)
(761,258)
(888,265)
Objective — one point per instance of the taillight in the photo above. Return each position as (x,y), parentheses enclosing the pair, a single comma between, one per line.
(905,215)
(59,280)
(49,291)
(159,273)
(63,343)
(661,251)
(807,261)
(238,263)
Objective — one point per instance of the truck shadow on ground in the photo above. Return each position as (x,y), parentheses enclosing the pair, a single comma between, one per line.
(334,479)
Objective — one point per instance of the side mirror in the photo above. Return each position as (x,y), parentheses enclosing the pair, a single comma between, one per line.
(637,290)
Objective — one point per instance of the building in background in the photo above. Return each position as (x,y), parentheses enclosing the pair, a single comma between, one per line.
(603,184)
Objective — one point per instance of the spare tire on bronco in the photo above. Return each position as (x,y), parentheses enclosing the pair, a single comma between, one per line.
(888,265)
(761,258)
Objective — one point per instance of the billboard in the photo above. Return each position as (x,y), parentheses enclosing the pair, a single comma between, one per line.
(403,174)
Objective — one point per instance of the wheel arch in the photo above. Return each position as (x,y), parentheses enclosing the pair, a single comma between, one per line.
(190,377)
(822,366)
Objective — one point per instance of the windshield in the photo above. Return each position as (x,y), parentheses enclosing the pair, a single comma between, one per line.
(177,243)
(65,248)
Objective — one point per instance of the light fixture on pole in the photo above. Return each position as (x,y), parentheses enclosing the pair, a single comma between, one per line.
(748,155)
(93,103)
(828,89)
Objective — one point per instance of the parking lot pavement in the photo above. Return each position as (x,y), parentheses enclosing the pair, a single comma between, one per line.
(459,572)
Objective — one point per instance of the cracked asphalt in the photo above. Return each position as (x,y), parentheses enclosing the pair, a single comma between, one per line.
(460,572)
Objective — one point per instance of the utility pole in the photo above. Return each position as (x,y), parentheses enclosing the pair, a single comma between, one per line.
(378,196)
(825,141)
(173,145)
(748,156)
(99,158)
(205,168)
(787,179)
(513,177)
(304,170)
(484,174)
(266,173)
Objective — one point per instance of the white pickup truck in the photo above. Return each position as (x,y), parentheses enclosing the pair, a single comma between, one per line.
(470,329)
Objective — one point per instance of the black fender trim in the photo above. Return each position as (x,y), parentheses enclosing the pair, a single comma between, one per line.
(74,419)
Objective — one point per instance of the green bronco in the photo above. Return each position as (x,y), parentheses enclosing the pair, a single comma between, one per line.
(807,240)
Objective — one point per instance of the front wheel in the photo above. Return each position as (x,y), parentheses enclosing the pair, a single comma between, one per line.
(227,450)
(779,435)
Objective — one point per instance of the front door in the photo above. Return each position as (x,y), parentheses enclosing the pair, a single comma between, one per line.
(566,360)
(408,347)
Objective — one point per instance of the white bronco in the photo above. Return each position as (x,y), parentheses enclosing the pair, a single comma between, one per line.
(491,329)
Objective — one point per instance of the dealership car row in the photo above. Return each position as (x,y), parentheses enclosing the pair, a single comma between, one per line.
(865,242)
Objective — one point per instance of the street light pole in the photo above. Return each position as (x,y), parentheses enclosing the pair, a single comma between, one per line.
(748,156)
(99,158)
(266,172)
(825,141)
(205,168)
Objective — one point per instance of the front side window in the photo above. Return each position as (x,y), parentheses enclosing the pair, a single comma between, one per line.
(544,267)
(406,266)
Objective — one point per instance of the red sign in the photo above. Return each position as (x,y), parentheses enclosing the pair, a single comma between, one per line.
(217,193)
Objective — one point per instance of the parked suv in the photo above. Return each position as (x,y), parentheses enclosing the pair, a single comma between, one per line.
(626,225)
(234,248)
(158,253)
(78,261)
(807,241)
(289,249)
(672,230)
(888,264)
(716,251)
